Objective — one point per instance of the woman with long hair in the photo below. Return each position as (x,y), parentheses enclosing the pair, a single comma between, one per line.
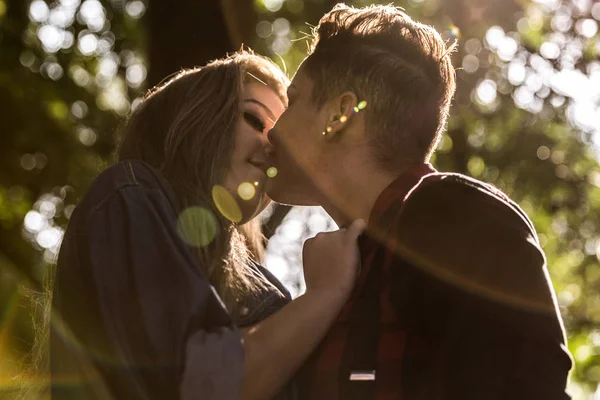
(158,293)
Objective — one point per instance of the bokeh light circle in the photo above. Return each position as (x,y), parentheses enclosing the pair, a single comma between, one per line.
(246,191)
(226,204)
(197,226)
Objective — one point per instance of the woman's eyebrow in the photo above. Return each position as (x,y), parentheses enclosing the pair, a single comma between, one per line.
(270,116)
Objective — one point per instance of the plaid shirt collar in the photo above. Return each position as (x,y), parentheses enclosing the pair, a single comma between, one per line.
(398,189)
(379,220)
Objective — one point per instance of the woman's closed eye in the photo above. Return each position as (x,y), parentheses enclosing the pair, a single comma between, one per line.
(254,121)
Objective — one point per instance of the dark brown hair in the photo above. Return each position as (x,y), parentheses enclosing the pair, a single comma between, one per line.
(185,128)
(400,67)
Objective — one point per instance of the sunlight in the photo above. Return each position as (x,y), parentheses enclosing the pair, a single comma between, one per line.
(197,226)
(246,191)
(226,204)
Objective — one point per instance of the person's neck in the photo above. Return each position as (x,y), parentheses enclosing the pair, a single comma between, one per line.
(352,193)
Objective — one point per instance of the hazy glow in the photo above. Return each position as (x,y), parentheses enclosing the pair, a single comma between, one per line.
(507,48)
(28,161)
(494,37)
(49,238)
(87,44)
(293,230)
(516,72)
(543,152)
(550,50)
(62,17)
(47,209)
(281,26)
(197,226)
(79,75)
(272,172)
(135,9)
(587,27)
(39,11)
(273,5)
(113,97)
(281,45)
(54,71)
(596,11)
(109,65)
(246,191)
(51,38)
(79,109)
(92,14)
(264,29)
(470,63)
(562,22)
(226,204)
(35,222)
(486,91)
(135,75)
(86,136)
(455,31)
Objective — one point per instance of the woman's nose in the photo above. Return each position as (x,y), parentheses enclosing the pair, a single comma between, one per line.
(269,149)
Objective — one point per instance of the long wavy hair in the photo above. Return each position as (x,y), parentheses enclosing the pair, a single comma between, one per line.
(185,129)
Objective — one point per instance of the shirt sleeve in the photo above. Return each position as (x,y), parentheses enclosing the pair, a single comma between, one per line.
(477,288)
(164,323)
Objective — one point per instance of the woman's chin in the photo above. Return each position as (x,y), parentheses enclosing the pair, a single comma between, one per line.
(252,208)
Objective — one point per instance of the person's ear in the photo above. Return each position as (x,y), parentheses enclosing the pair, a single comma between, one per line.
(342,110)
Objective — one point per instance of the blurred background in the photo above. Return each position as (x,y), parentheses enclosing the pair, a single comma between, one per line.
(526,118)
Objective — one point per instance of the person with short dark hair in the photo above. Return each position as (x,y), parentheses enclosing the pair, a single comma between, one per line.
(453,300)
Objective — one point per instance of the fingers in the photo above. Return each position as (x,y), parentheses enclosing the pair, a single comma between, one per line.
(355,229)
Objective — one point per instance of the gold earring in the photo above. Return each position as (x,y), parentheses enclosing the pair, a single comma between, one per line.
(343,119)
(327,130)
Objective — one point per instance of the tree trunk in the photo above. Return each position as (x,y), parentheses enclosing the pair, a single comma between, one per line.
(188,33)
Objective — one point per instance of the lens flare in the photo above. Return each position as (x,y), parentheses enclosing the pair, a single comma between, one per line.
(455,31)
(226,204)
(272,172)
(197,226)
(246,191)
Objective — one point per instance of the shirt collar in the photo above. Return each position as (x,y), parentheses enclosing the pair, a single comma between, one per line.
(398,189)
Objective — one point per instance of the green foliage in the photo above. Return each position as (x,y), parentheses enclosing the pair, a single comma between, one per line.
(68,76)
(68,73)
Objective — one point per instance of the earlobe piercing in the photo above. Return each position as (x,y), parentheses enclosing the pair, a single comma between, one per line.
(343,119)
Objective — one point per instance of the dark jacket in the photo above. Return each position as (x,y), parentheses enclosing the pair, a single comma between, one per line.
(134,317)
(453,302)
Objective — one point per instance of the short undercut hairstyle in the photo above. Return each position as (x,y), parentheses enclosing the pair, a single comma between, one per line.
(402,68)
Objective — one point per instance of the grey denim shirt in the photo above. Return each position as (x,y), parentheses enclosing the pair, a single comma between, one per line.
(136,317)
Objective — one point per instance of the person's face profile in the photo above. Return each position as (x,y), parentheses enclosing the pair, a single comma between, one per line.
(251,156)
(296,139)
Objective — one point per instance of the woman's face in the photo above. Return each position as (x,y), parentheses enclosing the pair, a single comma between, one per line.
(252,152)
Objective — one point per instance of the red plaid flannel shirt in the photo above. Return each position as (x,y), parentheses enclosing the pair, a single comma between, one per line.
(384,328)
